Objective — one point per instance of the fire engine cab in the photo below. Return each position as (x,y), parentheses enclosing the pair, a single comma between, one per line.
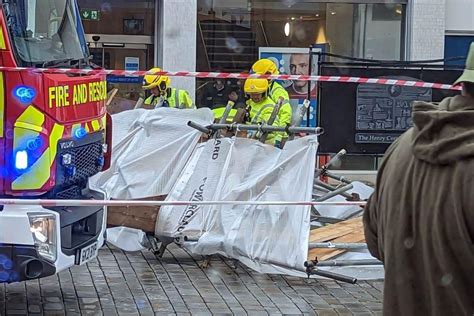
(54,132)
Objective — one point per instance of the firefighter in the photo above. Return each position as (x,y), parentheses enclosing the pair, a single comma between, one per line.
(163,95)
(260,108)
(265,66)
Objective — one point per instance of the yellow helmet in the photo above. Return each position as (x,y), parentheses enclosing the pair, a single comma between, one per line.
(265,66)
(152,81)
(256,86)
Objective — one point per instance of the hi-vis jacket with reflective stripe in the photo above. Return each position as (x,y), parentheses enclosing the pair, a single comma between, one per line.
(277,91)
(174,99)
(262,111)
(219,112)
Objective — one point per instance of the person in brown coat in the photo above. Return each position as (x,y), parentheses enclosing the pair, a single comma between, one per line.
(420,219)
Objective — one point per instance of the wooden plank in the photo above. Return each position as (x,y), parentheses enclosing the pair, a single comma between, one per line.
(332,231)
(328,253)
(140,217)
(111,96)
(350,231)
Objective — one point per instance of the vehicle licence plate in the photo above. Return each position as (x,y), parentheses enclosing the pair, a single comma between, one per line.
(88,253)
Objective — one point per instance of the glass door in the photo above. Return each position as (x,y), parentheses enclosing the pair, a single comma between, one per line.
(123,58)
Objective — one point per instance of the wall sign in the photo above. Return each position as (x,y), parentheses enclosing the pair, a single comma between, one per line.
(366,118)
(90,14)
(132,63)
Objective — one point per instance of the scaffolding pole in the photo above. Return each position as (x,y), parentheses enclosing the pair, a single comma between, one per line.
(331,188)
(344,263)
(348,246)
(264,128)
(335,193)
(312,269)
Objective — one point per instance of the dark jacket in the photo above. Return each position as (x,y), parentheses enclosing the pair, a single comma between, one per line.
(213,98)
(420,219)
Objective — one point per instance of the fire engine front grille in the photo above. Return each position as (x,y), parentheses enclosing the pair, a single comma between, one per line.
(78,163)
(71,193)
(85,160)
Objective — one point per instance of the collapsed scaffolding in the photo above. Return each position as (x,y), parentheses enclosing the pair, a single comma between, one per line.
(320,191)
(330,235)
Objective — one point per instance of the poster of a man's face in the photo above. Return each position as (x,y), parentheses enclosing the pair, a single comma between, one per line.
(295,61)
(299,65)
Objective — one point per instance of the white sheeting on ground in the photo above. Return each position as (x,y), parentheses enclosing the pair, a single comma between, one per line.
(149,150)
(127,239)
(156,153)
(269,239)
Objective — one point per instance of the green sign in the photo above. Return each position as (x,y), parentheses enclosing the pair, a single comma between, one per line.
(91,15)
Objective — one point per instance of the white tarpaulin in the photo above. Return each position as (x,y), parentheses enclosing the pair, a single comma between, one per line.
(269,239)
(150,148)
(156,153)
(125,238)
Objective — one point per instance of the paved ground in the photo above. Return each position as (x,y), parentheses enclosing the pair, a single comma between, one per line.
(139,284)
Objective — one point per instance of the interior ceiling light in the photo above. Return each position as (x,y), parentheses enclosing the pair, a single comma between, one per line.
(287,29)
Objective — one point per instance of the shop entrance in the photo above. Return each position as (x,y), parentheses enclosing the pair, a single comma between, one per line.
(122,53)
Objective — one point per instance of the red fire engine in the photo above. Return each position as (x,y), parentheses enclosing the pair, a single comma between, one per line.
(53,137)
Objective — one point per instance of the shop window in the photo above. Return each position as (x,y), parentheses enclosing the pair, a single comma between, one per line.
(230,34)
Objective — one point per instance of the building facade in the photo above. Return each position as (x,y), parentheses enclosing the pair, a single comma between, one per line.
(228,35)
(459,30)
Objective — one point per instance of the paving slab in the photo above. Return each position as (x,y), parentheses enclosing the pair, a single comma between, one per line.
(119,283)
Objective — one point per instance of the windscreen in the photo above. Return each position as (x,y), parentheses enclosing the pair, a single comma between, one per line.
(45,31)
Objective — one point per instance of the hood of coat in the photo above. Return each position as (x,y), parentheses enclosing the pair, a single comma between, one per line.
(444,133)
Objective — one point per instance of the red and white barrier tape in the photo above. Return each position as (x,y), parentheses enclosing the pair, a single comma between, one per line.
(165,203)
(224,75)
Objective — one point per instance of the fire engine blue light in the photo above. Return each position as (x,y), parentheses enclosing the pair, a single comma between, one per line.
(25,94)
(100,162)
(3,172)
(33,144)
(21,160)
(80,132)
(71,171)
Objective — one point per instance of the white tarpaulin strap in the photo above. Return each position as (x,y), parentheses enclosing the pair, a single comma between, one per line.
(269,239)
(149,150)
